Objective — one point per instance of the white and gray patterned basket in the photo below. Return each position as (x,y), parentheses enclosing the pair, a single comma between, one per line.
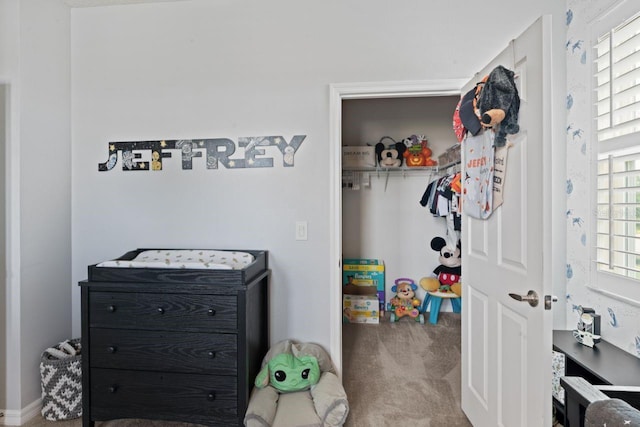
(61,381)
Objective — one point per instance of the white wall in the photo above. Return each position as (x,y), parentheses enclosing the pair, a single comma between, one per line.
(201,69)
(35,65)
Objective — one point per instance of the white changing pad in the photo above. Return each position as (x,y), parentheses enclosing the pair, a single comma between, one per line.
(181,258)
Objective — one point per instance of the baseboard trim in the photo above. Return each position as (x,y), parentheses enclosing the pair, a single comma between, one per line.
(19,417)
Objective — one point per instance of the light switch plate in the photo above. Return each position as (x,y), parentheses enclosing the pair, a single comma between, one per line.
(301,230)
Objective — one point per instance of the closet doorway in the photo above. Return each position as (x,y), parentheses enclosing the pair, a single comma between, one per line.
(346,92)
(383,219)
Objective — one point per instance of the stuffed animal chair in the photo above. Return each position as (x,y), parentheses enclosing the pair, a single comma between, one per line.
(297,386)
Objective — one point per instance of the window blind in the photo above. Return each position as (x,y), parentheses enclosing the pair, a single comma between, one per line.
(618,81)
(618,214)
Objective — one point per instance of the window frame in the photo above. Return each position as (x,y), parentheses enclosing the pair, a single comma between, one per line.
(610,284)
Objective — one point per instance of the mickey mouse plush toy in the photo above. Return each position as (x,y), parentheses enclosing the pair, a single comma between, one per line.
(390,156)
(448,272)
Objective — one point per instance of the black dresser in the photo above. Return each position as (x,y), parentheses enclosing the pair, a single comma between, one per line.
(173,344)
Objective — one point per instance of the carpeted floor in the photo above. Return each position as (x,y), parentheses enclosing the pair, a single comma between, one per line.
(401,373)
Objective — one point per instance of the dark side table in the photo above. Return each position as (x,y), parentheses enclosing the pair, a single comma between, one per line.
(604,364)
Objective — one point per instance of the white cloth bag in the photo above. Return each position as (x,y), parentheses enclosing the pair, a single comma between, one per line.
(477,192)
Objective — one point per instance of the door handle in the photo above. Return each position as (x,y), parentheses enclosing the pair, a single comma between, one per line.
(531,297)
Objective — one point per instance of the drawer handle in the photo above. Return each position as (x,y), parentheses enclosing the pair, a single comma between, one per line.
(113,388)
(111,308)
(211,312)
(212,354)
(160,310)
(112,349)
(211,396)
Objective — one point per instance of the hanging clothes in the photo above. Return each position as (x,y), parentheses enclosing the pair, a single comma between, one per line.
(442,198)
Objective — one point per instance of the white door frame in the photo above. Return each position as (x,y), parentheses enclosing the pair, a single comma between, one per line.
(337,93)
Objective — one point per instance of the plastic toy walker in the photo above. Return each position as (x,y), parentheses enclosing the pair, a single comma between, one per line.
(405,303)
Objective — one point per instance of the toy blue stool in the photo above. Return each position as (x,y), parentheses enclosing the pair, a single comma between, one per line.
(435,298)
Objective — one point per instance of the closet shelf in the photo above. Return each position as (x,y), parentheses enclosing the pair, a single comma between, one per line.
(401,169)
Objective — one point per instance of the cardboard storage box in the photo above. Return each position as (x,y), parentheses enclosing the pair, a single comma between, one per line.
(364,277)
(358,156)
(360,309)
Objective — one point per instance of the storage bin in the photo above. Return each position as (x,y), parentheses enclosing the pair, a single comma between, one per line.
(451,156)
(358,157)
(61,381)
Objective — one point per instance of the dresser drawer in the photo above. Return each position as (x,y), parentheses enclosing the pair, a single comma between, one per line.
(177,312)
(164,351)
(202,399)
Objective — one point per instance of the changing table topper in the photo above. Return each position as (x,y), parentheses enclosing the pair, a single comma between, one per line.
(182,258)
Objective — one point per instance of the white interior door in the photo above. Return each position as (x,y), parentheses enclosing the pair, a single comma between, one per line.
(506,344)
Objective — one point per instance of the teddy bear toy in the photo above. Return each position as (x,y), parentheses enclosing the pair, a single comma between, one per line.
(499,103)
(405,303)
(390,156)
(417,152)
(446,275)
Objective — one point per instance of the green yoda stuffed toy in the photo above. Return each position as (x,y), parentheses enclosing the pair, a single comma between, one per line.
(297,385)
(288,373)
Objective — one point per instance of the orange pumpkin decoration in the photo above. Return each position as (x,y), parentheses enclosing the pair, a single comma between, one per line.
(419,155)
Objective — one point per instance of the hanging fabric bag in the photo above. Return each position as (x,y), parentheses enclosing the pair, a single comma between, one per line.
(477,193)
